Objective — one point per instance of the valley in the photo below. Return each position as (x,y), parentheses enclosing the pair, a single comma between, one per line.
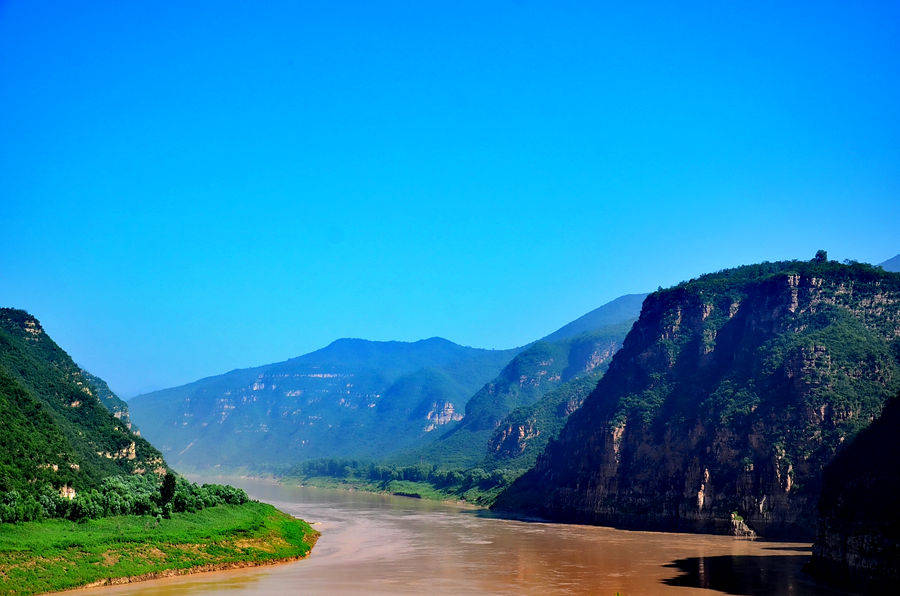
(714,407)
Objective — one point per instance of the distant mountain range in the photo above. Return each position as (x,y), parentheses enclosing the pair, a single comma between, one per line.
(63,429)
(367,399)
(892,264)
(350,398)
(543,367)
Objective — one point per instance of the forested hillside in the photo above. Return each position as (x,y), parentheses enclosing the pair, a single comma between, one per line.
(58,437)
(542,367)
(727,399)
(351,398)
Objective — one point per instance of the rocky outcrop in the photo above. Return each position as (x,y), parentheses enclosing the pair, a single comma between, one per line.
(729,396)
(858,540)
(439,414)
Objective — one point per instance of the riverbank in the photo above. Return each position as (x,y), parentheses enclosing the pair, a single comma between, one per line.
(56,555)
(399,488)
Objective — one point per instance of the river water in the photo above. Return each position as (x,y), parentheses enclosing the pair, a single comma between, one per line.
(382,544)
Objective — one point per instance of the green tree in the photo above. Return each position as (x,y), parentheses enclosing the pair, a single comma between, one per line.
(167,490)
(821,256)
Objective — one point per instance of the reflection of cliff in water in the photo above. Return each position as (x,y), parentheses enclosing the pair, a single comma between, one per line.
(748,574)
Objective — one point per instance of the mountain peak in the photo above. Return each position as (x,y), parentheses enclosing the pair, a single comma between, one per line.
(615,312)
(892,264)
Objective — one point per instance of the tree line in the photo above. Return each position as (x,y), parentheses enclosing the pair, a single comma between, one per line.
(119,495)
(441,478)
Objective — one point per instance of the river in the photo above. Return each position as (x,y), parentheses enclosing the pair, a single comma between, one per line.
(383,544)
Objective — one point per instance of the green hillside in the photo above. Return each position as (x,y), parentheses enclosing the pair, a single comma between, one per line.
(352,398)
(519,439)
(56,430)
(110,400)
(541,367)
(730,394)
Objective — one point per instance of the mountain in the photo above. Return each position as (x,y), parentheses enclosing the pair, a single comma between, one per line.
(486,436)
(520,438)
(892,264)
(108,399)
(539,368)
(55,429)
(859,523)
(727,399)
(623,309)
(352,398)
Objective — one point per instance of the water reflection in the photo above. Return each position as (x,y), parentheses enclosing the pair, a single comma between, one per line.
(748,574)
(381,544)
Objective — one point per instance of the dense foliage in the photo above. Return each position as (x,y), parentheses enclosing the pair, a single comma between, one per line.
(56,431)
(66,449)
(118,495)
(422,480)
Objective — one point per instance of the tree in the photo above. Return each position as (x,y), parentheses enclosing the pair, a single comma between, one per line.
(821,256)
(167,490)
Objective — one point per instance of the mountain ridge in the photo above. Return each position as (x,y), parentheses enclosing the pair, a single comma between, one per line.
(694,419)
(45,394)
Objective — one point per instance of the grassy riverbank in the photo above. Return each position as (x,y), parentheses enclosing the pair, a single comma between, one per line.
(403,488)
(425,481)
(59,554)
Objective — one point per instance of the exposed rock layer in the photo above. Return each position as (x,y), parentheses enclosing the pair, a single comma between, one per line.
(729,396)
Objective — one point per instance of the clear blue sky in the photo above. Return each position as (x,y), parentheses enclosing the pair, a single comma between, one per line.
(187,188)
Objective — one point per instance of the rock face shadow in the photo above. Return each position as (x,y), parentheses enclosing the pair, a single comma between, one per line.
(748,574)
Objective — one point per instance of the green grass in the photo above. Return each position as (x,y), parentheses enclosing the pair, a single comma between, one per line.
(59,554)
(406,488)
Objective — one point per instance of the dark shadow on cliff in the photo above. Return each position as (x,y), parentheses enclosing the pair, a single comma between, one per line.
(748,574)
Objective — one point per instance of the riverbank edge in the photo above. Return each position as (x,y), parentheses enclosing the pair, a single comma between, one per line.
(282,538)
(433,494)
(209,568)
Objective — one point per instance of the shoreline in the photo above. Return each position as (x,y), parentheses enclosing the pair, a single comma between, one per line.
(352,487)
(59,555)
(196,570)
(334,484)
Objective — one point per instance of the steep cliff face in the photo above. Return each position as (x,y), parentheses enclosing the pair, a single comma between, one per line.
(859,524)
(519,439)
(729,395)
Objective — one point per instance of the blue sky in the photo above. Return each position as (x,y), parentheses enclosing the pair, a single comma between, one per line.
(187,188)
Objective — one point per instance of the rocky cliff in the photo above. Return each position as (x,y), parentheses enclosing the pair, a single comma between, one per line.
(727,399)
(858,539)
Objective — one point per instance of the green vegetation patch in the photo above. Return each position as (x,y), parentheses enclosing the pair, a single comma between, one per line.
(424,481)
(60,554)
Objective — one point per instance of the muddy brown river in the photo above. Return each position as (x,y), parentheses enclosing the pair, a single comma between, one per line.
(383,544)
